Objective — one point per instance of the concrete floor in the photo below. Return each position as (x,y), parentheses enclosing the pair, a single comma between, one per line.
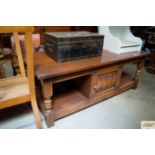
(124,111)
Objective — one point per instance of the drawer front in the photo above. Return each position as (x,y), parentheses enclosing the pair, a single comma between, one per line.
(106,80)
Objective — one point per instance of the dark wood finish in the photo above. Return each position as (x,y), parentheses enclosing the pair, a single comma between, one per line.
(66,46)
(150,44)
(151,66)
(74,85)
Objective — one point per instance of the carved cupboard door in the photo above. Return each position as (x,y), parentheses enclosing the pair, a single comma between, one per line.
(106,80)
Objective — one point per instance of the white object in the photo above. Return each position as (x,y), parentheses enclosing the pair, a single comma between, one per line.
(119,39)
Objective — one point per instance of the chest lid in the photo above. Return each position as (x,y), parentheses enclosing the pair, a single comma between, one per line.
(72,36)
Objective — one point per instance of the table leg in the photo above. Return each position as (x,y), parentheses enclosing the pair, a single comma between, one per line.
(47,93)
(140,65)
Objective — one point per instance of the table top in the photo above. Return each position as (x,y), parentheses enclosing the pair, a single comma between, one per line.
(45,67)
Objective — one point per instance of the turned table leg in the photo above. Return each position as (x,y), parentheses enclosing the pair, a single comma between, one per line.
(47,93)
(140,65)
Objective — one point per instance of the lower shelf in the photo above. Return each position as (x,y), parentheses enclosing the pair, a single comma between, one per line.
(70,100)
(67,102)
(126,80)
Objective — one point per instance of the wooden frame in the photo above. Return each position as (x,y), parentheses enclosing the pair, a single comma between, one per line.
(68,87)
(20,89)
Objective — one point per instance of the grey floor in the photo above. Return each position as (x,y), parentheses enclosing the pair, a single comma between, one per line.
(124,111)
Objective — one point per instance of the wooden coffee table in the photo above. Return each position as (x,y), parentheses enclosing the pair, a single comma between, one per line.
(68,87)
